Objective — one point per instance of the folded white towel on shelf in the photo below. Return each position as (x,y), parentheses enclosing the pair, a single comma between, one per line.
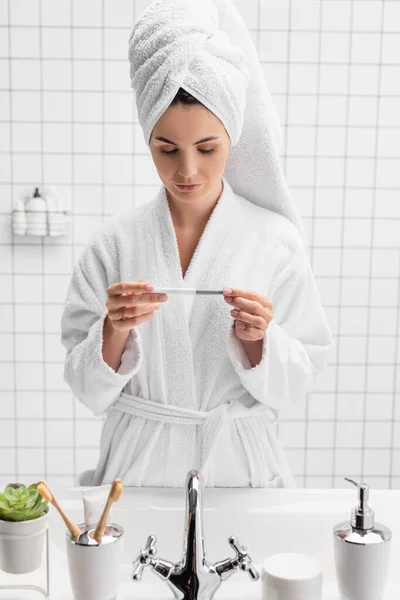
(57,218)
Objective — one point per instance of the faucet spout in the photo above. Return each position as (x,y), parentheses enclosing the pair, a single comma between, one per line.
(193,538)
(192,577)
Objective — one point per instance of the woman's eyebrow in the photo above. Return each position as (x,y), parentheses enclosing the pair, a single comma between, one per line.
(206,139)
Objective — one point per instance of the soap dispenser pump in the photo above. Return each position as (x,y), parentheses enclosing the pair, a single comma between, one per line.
(362,551)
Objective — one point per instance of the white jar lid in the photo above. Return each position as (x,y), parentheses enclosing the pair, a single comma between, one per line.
(299,573)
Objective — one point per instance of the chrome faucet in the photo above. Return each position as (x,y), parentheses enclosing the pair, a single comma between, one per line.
(193,578)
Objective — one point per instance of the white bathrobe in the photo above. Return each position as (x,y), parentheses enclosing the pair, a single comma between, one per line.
(185,395)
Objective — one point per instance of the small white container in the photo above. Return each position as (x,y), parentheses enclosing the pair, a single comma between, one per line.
(95,570)
(291,577)
(19,221)
(21,545)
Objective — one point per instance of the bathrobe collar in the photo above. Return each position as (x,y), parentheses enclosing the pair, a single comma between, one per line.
(203,267)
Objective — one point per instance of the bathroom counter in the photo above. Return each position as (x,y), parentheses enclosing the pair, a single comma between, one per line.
(267,521)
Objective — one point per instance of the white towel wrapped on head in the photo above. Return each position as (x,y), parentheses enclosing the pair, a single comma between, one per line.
(177,42)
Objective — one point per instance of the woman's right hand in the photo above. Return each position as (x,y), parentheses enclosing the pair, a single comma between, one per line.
(129,304)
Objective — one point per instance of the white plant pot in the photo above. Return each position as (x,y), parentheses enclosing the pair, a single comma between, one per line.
(21,544)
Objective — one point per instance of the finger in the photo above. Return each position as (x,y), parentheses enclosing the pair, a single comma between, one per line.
(254,321)
(126,286)
(250,295)
(123,325)
(253,297)
(132,311)
(248,332)
(251,307)
(116,302)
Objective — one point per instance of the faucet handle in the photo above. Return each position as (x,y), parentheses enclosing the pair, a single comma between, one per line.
(243,558)
(144,558)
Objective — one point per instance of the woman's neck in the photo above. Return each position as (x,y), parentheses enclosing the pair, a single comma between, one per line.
(193,214)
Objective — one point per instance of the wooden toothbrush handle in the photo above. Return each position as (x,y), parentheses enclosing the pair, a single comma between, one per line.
(113,496)
(74,529)
(101,525)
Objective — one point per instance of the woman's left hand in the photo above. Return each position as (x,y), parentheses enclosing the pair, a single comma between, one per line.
(254,313)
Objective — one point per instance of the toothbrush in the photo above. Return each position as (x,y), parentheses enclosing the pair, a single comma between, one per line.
(113,496)
(47,494)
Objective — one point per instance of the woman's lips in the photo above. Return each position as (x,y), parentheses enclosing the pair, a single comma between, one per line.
(188,188)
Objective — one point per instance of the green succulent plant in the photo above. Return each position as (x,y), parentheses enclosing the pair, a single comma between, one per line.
(21,503)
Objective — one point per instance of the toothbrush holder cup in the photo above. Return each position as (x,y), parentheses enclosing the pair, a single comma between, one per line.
(94,570)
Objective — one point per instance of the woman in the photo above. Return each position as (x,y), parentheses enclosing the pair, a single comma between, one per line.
(192,383)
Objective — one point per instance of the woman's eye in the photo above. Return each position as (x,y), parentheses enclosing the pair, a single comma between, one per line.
(176,150)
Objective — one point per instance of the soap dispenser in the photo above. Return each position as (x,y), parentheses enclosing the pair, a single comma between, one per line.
(362,551)
(36,214)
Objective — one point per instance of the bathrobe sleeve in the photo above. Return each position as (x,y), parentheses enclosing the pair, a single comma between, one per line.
(90,378)
(298,340)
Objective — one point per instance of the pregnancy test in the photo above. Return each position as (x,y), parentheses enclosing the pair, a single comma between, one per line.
(161,290)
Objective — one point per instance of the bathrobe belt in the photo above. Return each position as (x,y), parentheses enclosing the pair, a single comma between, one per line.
(211,420)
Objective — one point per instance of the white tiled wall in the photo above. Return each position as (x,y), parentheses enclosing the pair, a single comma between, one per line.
(68,121)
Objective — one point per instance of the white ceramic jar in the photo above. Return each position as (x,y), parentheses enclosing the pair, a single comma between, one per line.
(291,577)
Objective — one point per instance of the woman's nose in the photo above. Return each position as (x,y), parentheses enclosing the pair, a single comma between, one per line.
(187,168)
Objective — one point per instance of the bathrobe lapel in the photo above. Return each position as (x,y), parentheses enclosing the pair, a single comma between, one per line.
(211,267)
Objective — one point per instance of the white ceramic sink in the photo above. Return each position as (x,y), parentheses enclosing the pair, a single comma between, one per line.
(266,521)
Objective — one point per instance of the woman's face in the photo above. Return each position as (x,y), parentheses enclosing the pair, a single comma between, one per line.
(182,160)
